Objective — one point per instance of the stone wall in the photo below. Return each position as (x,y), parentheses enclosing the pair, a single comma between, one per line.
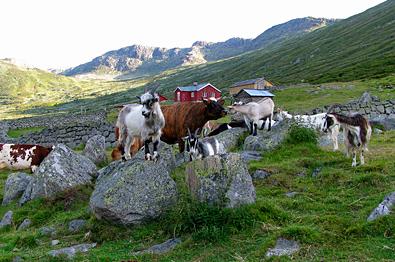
(72,135)
(72,130)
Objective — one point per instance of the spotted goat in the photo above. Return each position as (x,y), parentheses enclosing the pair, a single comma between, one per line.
(201,148)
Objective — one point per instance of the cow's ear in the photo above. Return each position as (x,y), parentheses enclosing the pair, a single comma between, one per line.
(221,102)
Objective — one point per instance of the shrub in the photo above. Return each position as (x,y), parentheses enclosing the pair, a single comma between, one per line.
(298,135)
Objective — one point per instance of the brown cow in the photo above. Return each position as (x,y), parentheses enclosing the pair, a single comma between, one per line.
(178,118)
(18,156)
(181,116)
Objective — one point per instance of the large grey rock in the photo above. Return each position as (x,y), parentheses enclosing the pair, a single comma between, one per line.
(160,248)
(267,140)
(71,251)
(15,185)
(135,191)
(95,149)
(368,98)
(62,169)
(384,208)
(284,247)
(25,224)
(230,138)
(7,219)
(76,225)
(324,140)
(260,174)
(250,155)
(388,121)
(46,231)
(221,180)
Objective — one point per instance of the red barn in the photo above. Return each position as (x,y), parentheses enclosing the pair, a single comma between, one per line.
(196,92)
(162,98)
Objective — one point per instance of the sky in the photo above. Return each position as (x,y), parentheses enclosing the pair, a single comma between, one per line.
(65,33)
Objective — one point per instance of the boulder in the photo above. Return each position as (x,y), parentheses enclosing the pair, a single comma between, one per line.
(388,121)
(384,208)
(160,248)
(46,231)
(267,140)
(221,180)
(324,140)
(76,225)
(95,149)
(260,174)
(7,219)
(368,98)
(250,155)
(230,138)
(136,190)
(284,247)
(71,251)
(55,242)
(15,185)
(25,224)
(62,169)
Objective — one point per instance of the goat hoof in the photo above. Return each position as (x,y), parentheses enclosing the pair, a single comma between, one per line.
(148,157)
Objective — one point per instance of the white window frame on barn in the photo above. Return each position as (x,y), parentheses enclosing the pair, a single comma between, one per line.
(192,94)
(212,94)
(204,94)
(178,96)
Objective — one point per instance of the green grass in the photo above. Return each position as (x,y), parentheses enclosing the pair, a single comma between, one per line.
(327,216)
(15,133)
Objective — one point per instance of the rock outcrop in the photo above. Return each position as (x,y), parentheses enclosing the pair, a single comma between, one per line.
(62,169)
(71,251)
(15,185)
(384,208)
(7,219)
(95,149)
(135,191)
(221,180)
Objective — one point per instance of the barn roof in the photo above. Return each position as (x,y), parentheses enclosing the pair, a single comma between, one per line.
(247,82)
(256,92)
(193,88)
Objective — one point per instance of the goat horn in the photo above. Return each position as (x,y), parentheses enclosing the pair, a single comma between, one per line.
(189,132)
(197,131)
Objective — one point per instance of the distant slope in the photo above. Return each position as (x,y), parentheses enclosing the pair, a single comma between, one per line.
(362,46)
(23,89)
(137,60)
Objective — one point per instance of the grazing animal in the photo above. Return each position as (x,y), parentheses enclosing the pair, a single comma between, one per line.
(208,127)
(141,122)
(20,156)
(255,112)
(181,116)
(201,148)
(356,130)
(315,122)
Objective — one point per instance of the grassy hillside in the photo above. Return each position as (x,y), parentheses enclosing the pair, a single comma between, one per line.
(327,216)
(362,46)
(24,89)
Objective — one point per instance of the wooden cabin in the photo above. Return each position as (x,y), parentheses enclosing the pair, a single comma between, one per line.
(258,83)
(252,95)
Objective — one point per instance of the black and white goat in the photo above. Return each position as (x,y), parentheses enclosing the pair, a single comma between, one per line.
(141,121)
(356,130)
(201,148)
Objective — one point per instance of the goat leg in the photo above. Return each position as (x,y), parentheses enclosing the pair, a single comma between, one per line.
(156,154)
(146,149)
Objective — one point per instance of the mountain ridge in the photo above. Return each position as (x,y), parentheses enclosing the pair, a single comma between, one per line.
(138,60)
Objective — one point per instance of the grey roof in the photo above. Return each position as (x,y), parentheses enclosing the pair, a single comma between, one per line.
(257,92)
(193,88)
(247,82)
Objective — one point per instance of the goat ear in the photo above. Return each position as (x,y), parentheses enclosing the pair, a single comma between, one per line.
(189,132)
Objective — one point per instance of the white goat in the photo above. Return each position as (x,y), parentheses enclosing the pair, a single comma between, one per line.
(315,122)
(256,112)
(144,121)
